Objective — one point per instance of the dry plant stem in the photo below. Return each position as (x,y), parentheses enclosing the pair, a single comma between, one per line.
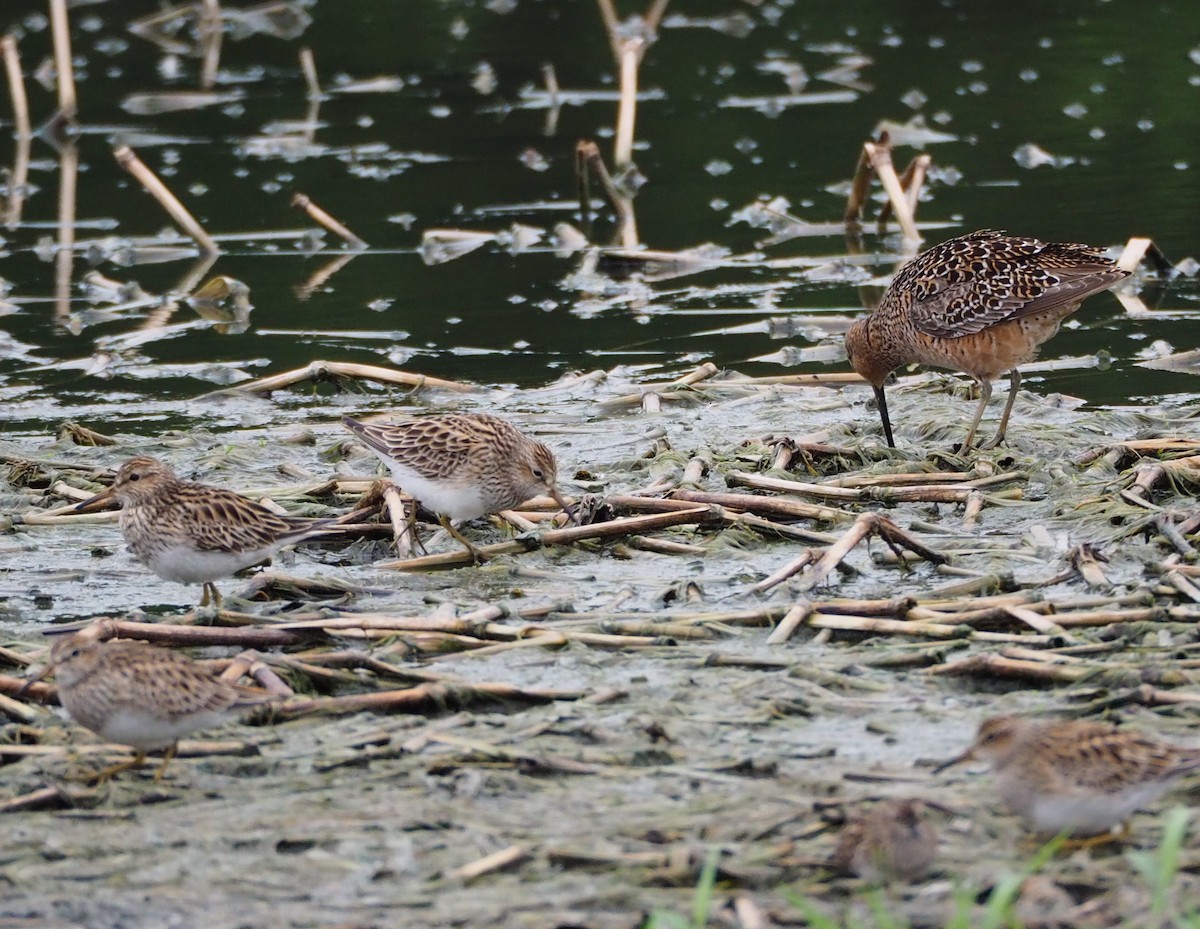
(588,159)
(770,506)
(860,185)
(16,86)
(1000,667)
(795,618)
(1133,253)
(46,796)
(867,524)
(64,259)
(402,524)
(795,566)
(325,221)
(211,36)
(665,546)
(332,370)
(308,67)
(189,636)
(18,182)
(567,536)
(629,59)
(489,864)
(880,157)
(42,693)
(15,709)
(415,699)
(64,69)
(128,160)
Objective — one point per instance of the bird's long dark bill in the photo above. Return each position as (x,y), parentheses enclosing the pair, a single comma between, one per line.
(965,756)
(881,401)
(41,675)
(571,510)
(100,501)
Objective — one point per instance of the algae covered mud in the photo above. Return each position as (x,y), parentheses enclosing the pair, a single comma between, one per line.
(765,622)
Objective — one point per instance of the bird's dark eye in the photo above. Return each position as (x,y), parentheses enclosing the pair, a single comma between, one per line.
(134,476)
(539,474)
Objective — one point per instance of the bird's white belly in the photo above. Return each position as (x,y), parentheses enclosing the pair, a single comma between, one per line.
(456,499)
(185,565)
(1085,813)
(146,730)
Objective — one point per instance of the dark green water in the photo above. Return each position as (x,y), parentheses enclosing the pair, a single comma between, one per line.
(1108,85)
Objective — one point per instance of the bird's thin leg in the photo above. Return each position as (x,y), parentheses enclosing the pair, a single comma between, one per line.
(476,555)
(1120,834)
(985,394)
(881,402)
(96,778)
(167,756)
(1014,381)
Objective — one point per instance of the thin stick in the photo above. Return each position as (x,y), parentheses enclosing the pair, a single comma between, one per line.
(402,526)
(614,528)
(325,221)
(64,260)
(332,370)
(62,59)
(867,524)
(801,610)
(497,861)
(308,66)
(18,182)
(881,160)
(796,565)
(16,85)
(629,59)
(211,36)
(156,188)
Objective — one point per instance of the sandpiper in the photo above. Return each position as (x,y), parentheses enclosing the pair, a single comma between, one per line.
(138,695)
(194,533)
(981,303)
(892,841)
(1083,777)
(462,465)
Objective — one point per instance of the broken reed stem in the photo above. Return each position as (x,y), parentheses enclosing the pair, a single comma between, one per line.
(629,59)
(64,69)
(881,160)
(588,159)
(489,864)
(128,160)
(999,666)
(308,66)
(402,525)
(799,613)
(866,525)
(64,260)
(770,506)
(16,87)
(670,390)
(567,536)
(796,565)
(332,370)
(417,698)
(325,221)
(211,37)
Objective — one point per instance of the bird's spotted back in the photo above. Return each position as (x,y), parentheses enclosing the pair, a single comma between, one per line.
(972,282)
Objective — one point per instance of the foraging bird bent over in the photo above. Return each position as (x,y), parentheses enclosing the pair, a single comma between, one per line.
(1076,775)
(136,694)
(194,533)
(892,841)
(982,303)
(462,465)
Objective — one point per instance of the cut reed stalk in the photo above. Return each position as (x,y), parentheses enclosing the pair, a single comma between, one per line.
(179,214)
